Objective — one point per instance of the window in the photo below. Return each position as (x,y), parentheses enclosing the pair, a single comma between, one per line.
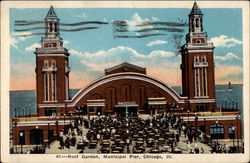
(217,131)
(50,111)
(53,64)
(50,27)
(160,107)
(46,86)
(46,63)
(91,109)
(53,86)
(197,22)
(201,107)
(196,58)
(55,27)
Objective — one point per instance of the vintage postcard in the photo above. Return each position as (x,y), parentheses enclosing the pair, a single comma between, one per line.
(127,81)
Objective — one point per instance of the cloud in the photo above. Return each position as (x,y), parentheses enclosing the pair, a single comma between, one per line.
(156,42)
(66,42)
(155,19)
(33,47)
(13,42)
(82,15)
(136,19)
(228,56)
(225,41)
(20,37)
(159,63)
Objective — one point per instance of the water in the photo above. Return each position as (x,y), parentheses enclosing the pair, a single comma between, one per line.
(24,102)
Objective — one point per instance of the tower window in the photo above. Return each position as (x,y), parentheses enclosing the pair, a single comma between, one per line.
(197,22)
(55,27)
(46,63)
(50,27)
(53,64)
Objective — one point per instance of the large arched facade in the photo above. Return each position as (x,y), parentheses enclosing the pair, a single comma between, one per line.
(131,89)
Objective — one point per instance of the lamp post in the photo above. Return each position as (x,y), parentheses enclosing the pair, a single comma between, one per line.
(232,104)
(21,142)
(30,110)
(217,135)
(66,109)
(15,135)
(48,137)
(64,120)
(188,115)
(23,111)
(57,127)
(233,129)
(204,125)
(228,104)
(237,132)
(221,103)
(196,120)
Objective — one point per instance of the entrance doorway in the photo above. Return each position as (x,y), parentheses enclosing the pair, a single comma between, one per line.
(36,136)
(130,111)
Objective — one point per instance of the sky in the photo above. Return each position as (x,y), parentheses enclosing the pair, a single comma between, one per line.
(91,51)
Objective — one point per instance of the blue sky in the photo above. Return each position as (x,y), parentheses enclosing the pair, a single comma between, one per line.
(94,50)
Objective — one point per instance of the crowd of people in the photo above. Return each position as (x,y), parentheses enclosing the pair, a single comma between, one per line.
(118,134)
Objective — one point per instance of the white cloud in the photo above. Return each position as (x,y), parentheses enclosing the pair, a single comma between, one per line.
(155,19)
(107,58)
(20,37)
(32,47)
(104,19)
(82,15)
(228,56)
(225,41)
(156,42)
(137,19)
(159,63)
(13,42)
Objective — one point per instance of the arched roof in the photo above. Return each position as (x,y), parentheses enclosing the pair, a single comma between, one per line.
(121,76)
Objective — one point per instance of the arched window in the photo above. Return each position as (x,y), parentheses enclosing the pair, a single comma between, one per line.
(197,23)
(55,27)
(50,27)
(53,63)
(217,131)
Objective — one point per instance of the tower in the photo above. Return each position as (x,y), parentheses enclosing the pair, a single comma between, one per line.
(52,68)
(198,66)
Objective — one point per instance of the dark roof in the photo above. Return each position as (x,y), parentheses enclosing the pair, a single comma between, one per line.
(195,10)
(125,64)
(51,14)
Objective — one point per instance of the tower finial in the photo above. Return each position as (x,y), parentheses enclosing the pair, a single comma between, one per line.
(51,14)
(195,10)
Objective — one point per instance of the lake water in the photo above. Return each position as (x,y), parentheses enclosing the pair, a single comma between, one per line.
(24,102)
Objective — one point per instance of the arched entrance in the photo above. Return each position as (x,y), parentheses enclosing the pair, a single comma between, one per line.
(36,136)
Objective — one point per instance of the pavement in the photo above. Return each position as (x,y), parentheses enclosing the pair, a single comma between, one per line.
(182,144)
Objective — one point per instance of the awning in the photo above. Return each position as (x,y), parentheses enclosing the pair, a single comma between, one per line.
(157,102)
(96,102)
(126,104)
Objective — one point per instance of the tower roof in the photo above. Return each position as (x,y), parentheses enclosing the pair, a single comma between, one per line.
(51,14)
(195,10)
